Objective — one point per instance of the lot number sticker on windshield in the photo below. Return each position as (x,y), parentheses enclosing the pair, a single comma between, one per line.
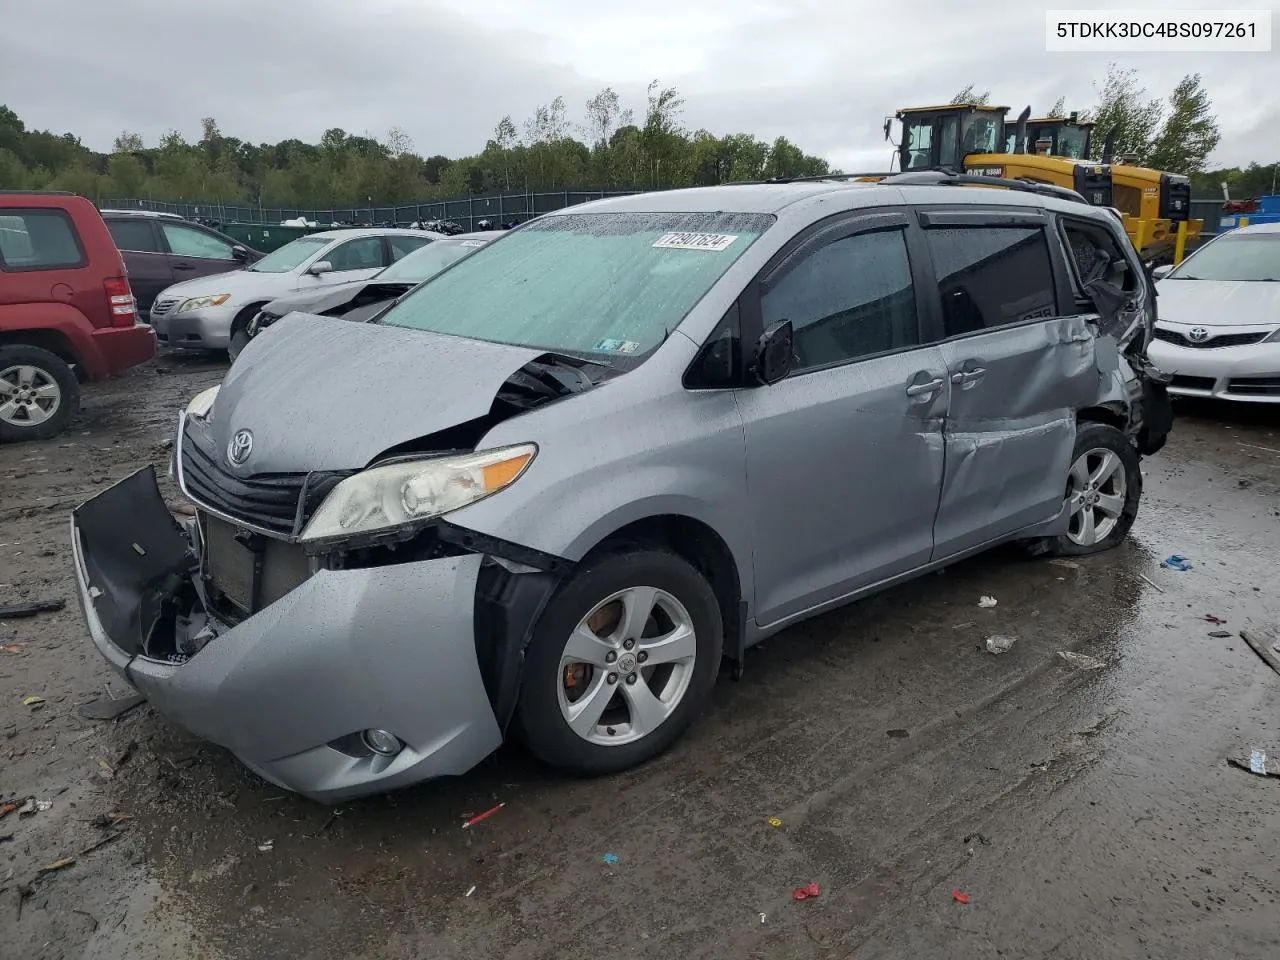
(696,241)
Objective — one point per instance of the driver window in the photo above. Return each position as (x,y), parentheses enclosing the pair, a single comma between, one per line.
(186,242)
(852,298)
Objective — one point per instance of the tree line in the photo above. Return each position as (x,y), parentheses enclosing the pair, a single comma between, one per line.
(610,147)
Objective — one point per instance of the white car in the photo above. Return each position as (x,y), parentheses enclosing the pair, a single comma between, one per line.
(1218,326)
(208,313)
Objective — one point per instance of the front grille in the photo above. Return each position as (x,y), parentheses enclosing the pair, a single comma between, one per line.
(1255,386)
(1193,383)
(268,501)
(1221,340)
(163,306)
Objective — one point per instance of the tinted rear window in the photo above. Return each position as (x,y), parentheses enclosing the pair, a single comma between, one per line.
(992,276)
(135,235)
(38,240)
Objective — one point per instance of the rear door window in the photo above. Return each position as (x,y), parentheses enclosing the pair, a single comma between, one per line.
(188,242)
(38,240)
(403,245)
(363,254)
(136,236)
(992,276)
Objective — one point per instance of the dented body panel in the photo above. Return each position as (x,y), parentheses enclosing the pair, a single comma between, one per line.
(820,487)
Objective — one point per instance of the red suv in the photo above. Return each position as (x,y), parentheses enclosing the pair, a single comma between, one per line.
(66,311)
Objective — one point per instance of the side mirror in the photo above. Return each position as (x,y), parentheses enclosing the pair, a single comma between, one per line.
(240,254)
(1161,271)
(320,267)
(774,353)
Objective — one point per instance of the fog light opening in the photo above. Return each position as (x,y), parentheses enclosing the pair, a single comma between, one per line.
(382,742)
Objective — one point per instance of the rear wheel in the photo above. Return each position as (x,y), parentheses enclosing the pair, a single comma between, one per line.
(39,393)
(620,662)
(1104,486)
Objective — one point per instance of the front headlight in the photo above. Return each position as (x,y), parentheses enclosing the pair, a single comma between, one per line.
(382,498)
(196,303)
(202,402)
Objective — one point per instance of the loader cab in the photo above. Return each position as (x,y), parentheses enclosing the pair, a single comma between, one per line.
(935,137)
(1067,137)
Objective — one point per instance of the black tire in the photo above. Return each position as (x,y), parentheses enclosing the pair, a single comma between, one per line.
(1100,436)
(239,338)
(539,719)
(52,368)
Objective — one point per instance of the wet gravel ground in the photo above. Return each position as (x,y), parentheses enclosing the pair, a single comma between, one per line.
(1084,808)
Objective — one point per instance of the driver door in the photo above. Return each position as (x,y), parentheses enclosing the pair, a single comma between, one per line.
(844,455)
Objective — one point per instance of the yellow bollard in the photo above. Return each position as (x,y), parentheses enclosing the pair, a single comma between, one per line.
(1180,245)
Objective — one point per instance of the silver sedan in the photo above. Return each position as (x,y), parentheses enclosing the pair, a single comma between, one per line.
(1218,330)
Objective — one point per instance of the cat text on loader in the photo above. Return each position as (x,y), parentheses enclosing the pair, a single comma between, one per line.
(975,138)
(1155,206)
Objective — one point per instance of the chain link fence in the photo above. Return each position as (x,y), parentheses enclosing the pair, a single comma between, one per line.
(467,212)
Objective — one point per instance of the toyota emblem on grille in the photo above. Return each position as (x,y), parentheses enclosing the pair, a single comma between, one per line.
(240,447)
(1195,335)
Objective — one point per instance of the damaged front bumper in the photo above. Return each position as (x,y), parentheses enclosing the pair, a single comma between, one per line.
(290,688)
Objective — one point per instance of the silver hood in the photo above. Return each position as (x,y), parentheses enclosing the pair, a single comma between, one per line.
(319,395)
(1219,303)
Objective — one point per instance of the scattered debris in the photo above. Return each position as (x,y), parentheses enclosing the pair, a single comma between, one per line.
(978,838)
(1081,660)
(92,918)
(1216,621)
(1268,651)
(807,892)
(13,647)
(472,821)
(1151,583)
(998,644)
(762,918)
(1255,763)
(9,806)
(105,821)
(1176,562)
(987,602)
(334,815)
(471,891)
(57,865)
(111,838)
(126,753)
(1220,634)
(33,701)
(899,734)
(266,846)
(31,806)
(1069,564)
(609,858)
(775,822)
(5,837)
(111,709)
(959,896)
(19,611)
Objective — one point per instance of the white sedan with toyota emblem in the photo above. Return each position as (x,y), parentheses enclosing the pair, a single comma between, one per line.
(1218,326)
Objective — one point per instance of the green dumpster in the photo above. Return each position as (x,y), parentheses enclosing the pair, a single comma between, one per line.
(266,236)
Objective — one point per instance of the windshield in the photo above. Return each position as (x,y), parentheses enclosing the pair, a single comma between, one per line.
(1240,256)
(1072,141)
(428,261)
(608,285)
(290,256)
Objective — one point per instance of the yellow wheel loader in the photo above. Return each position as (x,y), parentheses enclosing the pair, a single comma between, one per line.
(1154,204)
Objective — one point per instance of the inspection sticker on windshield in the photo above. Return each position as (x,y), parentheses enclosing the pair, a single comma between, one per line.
(473,243)
(617,346)
(696,241)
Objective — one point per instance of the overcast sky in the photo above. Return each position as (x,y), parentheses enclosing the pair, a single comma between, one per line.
(823,74)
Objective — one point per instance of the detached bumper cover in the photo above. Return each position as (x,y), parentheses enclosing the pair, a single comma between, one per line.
(388,647)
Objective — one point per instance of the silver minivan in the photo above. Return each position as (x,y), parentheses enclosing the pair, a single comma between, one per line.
(550,489)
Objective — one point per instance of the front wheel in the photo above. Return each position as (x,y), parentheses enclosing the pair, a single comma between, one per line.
(39,393)
(1103,488)
(620,662)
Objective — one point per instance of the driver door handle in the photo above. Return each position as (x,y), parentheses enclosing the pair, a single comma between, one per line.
(925,389)
(969,376)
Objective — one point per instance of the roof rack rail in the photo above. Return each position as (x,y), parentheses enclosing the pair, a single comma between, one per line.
(947,179)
